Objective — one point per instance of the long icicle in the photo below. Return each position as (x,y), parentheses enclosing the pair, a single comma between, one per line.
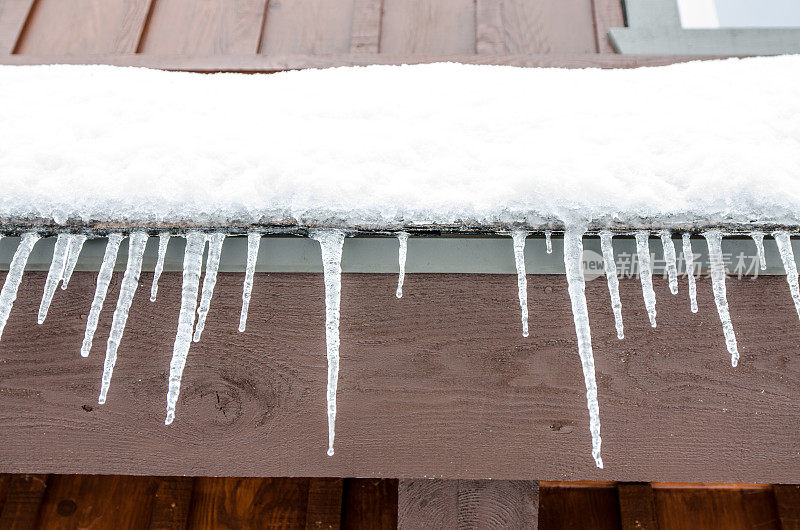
(789,265)
(611,278)
(331,243)
(646,274)
(522,280)
(76,242)
(758,238)
(714,241)
(548,241)
(192,264)
(136,244)
(402,237)
(215,242)
(54,275)
(14,276)
(573,261)
(103,281)
(670,260)
(688,257)
(163,241)
(253,242)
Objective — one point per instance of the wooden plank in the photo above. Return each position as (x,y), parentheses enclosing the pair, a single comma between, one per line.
(204,27)
(95,501)
(324,509)
(366,32)
(467,504)
(80,27)
(314,27)
(171,503)
(489,38)
(260,63)
(607,14)
(369,503)
(711,509)
(23,501)
(13,15)
(248,502)
(436,395)
(787,500)
(637,506)
(575,508)
(425,27)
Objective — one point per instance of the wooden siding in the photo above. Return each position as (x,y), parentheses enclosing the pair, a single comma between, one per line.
(433,384)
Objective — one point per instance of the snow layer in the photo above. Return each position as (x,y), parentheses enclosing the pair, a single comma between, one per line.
(694,143)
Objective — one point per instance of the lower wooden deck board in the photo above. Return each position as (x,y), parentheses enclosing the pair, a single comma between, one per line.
(437,384)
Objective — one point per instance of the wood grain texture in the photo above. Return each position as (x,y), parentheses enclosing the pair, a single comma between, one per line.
(324,509)
(171,503)
(424,27)
(369,503)
(543,26)
(637,506)
(579,508)
(607,14)
(787,501)
(23,501)
(13,15)
(366,32)
(712,509)
(204,27)
(432,384)
(84,27)
(315,27)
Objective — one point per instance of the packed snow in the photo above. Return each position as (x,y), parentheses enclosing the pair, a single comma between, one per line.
(339,157)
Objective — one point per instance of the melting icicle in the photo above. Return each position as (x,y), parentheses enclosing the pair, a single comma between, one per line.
(758,237)
(669,259)
(103,280)
(76,242)
(548,241)
(192,263)
(14,276)
(331,242)
(130,281)
(522,280)
(209,281)
(573,260)
(688,256)
(253,242)
(401,256)
(54,275)
(714,241)
(787,256)
(646,274)
(613,282)
(163,241)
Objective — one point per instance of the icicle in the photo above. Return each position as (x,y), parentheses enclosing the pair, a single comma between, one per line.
(253,242)
(714,241)
(163,241)
(758,237)
(130,281)
(688,256)
(646,274)
(209,281)
(14,276)
(573,260)
(54,275)
(522,280)
(331,242)
(612,280)
(103,280)
(192,263)
(548,241)
(787,256)
(76,242)
(401,256)
(669,259)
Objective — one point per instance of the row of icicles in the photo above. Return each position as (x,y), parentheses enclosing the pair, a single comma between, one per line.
(191,319)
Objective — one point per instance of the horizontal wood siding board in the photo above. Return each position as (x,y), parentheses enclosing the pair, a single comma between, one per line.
(439,383)
(13,16)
